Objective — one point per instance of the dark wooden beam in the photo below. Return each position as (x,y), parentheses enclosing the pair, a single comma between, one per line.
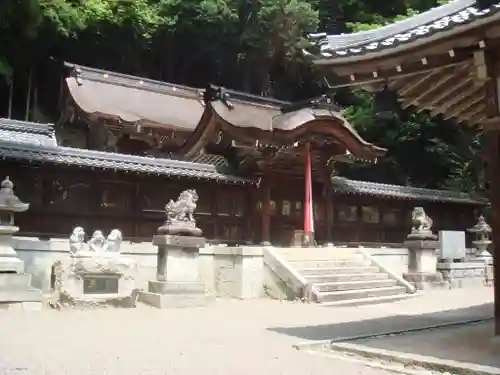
(464,105)
(461,91)
(424,97)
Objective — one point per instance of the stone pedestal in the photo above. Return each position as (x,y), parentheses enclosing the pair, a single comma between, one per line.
(422,264)
(464,274)
(177,281)
(90,279)
(15,285)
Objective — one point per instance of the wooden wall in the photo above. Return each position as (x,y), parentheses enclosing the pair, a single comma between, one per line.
(63,197)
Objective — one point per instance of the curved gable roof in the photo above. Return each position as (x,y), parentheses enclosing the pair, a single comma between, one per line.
(141,101)
(135,100)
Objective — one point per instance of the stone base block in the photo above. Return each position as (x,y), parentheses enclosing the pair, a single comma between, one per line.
(163,301)
(426,281)
(21,306)
(164,294)
(15,288)
(95,302)
(11,264)
(464,274)
(162,287)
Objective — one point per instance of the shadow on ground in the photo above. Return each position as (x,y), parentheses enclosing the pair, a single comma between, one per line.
(383,325)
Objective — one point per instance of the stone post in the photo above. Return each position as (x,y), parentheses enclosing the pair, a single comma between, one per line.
(179,241)
(422,245)
(15,289)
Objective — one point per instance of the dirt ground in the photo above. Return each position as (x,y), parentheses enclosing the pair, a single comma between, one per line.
(227,337)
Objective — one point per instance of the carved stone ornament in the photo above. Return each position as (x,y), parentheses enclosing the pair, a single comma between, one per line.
(180,216)
(482,241)
(9,203)
(481,229)
(97,245)
(421,225)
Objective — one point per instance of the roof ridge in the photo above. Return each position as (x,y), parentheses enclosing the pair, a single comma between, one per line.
(234,94)
(414,188)
(27,126)
(404,25)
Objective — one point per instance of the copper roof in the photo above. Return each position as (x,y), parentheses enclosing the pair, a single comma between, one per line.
(143,101)
(37,142)
(135,100)
(437,20)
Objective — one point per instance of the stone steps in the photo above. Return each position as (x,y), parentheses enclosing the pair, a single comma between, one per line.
(347,277)
(362,293)
(329,263)
(341,275)
(337,270)
(354,285)
(318,254)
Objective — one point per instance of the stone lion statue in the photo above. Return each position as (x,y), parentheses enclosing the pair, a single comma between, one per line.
(182,209)
(97,242)
(421,223)
(114,241)
(77,240)
(180,215)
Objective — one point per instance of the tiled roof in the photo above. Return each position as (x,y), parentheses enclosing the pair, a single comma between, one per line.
(346,186)
(37,143)
(423,25)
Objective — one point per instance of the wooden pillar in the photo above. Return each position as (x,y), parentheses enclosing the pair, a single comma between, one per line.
(265,220)
(492,60)
(328,195)
(493,152)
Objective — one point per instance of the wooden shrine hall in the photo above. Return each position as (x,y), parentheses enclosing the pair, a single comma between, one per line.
(126,145)
(236,150)
(445,61)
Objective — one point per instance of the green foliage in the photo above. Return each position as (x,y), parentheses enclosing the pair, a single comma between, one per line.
(254,45)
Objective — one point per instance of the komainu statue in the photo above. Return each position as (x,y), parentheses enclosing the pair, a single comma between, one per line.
(77,240)
(114,241)
(97,245)
(180,215)
(421,225)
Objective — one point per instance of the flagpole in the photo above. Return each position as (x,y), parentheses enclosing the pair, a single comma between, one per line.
(308,201)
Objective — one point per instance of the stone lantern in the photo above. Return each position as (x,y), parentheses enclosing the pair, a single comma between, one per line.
(9,205)
(15,285)
(482,233)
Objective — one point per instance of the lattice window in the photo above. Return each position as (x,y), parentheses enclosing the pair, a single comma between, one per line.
(370,214)
(347,213)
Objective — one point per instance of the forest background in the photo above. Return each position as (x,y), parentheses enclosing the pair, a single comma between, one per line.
(249,45)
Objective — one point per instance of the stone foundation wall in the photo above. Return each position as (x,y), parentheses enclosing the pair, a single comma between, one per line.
(235,272)
(463,275)
(394,259)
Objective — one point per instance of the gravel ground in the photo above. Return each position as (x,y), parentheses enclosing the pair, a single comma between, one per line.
(228,337)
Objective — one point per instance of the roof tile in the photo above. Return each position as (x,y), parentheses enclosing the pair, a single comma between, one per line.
(438,19)
(37,142)
(346,186)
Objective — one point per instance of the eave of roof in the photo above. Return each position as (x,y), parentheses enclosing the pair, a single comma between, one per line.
(23,141)
(346,186)
(445,20)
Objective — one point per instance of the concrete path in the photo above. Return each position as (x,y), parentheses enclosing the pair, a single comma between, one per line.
(228,337)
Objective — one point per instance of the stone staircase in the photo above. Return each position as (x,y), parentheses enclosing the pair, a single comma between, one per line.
(341,275)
